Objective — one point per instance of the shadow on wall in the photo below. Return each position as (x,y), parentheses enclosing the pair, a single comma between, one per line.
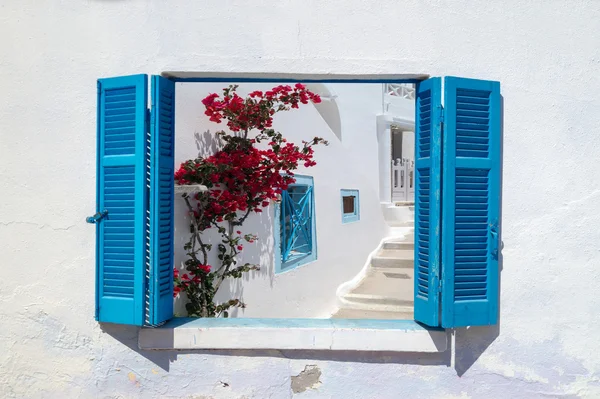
(207,143)
(259,253)
(470,343)
(127,335)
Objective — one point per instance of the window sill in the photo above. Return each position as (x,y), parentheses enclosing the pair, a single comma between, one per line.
(190,189)
(304,334)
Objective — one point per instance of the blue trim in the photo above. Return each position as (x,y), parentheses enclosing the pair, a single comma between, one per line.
(354,216)
(162,169)
(471,197)
(288,80)
(121,238)
(297,323)
(279,253)
(99,138)
(428,186)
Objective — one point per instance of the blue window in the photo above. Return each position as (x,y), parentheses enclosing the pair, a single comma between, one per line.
(296,225)
(457,180)
(350,206)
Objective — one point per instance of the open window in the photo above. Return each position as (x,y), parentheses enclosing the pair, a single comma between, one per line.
(457,200)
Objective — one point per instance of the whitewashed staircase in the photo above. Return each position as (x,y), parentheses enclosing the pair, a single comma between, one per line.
(386,290)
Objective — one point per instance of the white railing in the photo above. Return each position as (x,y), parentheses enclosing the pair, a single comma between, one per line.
(403,180)
(402,90)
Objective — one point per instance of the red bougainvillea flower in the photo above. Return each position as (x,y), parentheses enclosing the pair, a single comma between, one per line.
(205,268)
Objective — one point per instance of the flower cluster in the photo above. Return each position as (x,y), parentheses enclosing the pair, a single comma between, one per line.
(244,179)
(183,281)
(257,110)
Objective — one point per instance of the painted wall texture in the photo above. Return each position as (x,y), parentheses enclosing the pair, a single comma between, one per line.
(547,56)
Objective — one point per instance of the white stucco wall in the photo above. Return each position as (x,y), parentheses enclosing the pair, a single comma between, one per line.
(547,56)
(309,290)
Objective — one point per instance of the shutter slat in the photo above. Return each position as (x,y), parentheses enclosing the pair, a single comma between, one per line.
(121,191)
(470,202)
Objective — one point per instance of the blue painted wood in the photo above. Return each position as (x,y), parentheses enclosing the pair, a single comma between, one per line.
(297,221)
(288,80)
(160,218)
(428,140)
(121,191)
(351,216)
(471,202)
(295,236)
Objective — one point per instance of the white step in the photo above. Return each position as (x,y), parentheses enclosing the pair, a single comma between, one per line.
(392,272)
(401,231)
(383,289)
(393,258)
(377,303)
(382,301)
(404,244)
(406,223)
(346,313)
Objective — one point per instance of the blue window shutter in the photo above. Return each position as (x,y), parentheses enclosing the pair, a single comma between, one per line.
(121,192)
(471,202)
(427,201)
(296,230)
(162,167)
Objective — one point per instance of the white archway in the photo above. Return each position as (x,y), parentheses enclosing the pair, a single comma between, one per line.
(328,108)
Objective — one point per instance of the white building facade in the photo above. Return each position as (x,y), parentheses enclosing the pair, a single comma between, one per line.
(544,55)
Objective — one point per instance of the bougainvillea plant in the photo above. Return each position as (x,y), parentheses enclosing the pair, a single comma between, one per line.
(242,179)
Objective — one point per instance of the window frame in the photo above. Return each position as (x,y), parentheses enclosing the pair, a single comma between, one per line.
(280,265)
(354,216)
(174,325)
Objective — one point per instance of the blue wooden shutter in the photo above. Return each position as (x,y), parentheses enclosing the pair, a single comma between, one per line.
(296,214)
(161,157)
(427,201)
(121,192)
(471,202)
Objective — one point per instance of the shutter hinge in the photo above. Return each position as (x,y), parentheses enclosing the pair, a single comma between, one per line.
(441,115)
(439,286)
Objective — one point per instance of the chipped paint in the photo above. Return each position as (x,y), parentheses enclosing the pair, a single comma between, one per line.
(309,378)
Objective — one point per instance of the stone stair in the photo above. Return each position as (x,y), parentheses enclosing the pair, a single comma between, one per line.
(386,291)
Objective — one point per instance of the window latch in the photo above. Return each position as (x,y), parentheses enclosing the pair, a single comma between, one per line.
(97,217)
(494,233)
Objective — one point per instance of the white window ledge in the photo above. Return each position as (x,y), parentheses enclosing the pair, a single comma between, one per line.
(189,189)
(307,334)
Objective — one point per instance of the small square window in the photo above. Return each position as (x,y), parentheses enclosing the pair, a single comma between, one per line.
(350,206)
